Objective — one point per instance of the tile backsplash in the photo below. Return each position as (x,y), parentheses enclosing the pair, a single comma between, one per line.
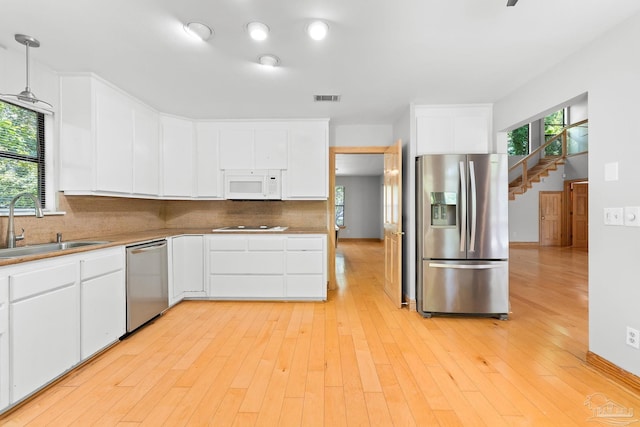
(95,216)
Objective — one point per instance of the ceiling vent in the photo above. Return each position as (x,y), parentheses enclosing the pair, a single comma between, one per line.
(326,98)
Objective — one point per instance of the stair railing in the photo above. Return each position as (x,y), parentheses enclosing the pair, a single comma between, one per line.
(524,163)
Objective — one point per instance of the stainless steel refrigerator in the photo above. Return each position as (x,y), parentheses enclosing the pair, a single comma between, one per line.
(462,235)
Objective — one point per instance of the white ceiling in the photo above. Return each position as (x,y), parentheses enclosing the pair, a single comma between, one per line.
(380,55)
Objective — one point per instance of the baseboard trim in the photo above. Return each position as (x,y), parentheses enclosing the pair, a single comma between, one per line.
(524,244)
(410,303)
(607,368)
(360,239)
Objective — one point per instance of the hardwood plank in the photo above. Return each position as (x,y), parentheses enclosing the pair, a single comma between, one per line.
(353,359)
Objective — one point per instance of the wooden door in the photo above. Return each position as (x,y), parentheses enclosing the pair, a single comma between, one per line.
(393,223)
(550,221)
(580,217)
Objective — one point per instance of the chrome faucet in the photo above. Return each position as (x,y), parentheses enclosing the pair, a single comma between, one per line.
(11,234)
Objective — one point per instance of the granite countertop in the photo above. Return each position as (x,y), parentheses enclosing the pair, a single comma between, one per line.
(144,236)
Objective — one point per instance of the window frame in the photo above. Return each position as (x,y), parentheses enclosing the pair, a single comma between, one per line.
(41,159)
(339,204)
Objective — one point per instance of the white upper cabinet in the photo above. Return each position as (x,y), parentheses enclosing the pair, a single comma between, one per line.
(457,129)
(307,176)
(253,145)
(108,140)
(208,173)
(270,149)
(178,176)
(146,151)
(113,144)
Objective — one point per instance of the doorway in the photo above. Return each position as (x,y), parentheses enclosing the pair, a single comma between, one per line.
(391,207)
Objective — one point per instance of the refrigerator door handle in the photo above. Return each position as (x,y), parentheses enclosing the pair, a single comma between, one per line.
(463,208)
(465,266)
(474,204)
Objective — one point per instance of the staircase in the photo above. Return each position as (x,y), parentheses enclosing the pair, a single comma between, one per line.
(534,175)
(542,164)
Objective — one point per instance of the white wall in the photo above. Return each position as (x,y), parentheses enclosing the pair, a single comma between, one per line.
(362,207)
(608,70)
(360,135)
(524,210)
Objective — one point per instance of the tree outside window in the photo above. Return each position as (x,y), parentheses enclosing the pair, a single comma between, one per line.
(518,141)
(553,125)
(340,205)
(21,154)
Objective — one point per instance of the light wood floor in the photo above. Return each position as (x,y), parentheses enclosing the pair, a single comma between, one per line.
(354,360)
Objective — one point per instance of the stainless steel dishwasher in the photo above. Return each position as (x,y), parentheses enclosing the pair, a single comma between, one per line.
(147,284)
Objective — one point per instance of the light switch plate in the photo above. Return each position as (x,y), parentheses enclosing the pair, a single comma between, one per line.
(632,216)
(613,216)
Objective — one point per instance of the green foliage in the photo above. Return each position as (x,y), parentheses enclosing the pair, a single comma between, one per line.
(518,141)
(553,125)
(340,205)
(18,138)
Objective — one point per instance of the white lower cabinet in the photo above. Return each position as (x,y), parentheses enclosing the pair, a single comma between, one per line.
(280,267)
(44,324)
(4,341)
(102,300)
(187,260)
(55,313)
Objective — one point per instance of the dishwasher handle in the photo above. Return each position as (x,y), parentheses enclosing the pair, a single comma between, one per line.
(147,248)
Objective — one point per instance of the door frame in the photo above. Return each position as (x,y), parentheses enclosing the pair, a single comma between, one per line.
(331,206)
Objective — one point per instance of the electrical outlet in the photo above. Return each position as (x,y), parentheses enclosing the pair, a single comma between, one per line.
(633,337)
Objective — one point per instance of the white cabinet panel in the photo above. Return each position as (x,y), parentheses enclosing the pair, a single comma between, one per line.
(4,342)
(270,149)
(266,243)
(209,175)
(177,157)
(454,129)
(305,243)
(307,286)
(236,149)
(188,267)
(44,325)
(146,151)
(305,262)
(114,140)
(307,174)
(102,313)
(102,300)
(247,287)
(246,263)
(252,145)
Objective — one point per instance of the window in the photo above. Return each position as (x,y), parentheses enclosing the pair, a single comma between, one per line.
(518,141)
(22,155)
(340,205)
(553,125)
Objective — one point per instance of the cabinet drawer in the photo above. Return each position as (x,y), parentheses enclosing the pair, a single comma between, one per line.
(228,244)
(307,286)
(249,287)
(305,243)
(266,244)
(23,285)
(99,266)
(305,263)
(246,262)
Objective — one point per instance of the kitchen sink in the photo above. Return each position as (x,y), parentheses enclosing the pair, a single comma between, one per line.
(46,248)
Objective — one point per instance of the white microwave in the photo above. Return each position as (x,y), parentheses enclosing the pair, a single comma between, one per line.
(253,184)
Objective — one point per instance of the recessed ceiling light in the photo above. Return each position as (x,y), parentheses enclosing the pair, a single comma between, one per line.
(258,30)
(318,30)
(198,30)
(269,60)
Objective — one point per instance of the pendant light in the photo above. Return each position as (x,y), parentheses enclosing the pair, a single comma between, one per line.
(26,95)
